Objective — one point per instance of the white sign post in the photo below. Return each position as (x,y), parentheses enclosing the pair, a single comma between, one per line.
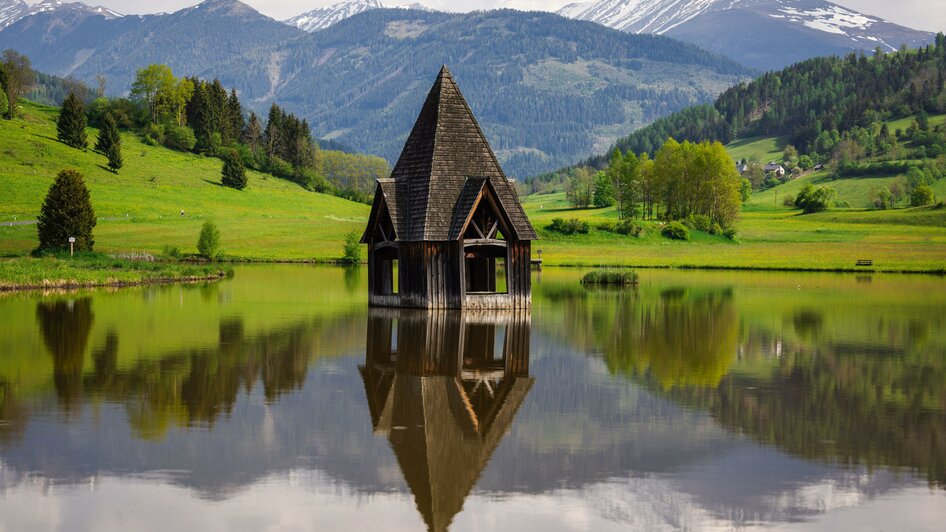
(72,243)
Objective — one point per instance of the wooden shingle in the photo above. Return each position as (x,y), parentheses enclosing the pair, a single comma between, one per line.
(444,149)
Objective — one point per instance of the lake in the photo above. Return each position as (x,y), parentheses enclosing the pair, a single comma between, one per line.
(277,400)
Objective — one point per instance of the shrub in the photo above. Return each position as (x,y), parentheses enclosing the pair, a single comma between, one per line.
(730,233)
(208,245)
(154,134)
(788,201)
(607,226)
(610,277)
(716,229)
(675,231)
(630,227)
(352,252)
(812,200)
(67,212)
(922,196)
(171,252)
(280,168)
(700,222)
(179,138)
(569,227)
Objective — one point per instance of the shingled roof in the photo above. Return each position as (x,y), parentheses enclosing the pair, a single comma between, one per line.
(444,150)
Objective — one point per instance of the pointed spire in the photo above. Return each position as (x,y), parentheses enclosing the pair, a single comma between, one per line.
(446,147)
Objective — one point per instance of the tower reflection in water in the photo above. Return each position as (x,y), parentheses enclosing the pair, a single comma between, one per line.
(444,388)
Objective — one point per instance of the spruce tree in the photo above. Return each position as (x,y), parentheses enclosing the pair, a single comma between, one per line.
(234,174)
(108,134)
(115,159)
(109,142)
(67,212)
(70,126)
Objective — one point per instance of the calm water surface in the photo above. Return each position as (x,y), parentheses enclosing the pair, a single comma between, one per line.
(276,400)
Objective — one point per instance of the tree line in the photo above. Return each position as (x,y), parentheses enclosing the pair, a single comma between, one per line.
(196,115)
(683,181)
(814,103)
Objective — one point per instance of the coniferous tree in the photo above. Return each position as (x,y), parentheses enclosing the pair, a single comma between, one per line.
(115,159)
(253,133)
(67,212)
(70,126)
(110,143)
(234,174)
(235,118)
(108,134)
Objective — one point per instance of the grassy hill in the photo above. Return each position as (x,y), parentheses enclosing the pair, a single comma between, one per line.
(139,208)
(770,236)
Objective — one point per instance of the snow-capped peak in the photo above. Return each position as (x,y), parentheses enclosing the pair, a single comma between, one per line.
(47,6)
(324,17)
(12,11)
(642,16)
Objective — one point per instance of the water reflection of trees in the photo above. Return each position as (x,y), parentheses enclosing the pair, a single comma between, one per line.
(180,388)
(680,337)
(65,325)
(814,388)
(444,387)
(850,408)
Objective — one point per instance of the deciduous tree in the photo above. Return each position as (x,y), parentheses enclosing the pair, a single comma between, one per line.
(17,78)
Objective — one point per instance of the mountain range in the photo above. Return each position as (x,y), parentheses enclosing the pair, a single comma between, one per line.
(763,34)
(13,10)
(547,90)
(323,17)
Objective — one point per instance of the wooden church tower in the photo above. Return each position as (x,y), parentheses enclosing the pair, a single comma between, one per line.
(447,230)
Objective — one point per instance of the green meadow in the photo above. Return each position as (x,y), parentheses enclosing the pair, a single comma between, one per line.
(139,210)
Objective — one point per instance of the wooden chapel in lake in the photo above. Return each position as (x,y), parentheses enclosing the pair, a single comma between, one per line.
(446,230)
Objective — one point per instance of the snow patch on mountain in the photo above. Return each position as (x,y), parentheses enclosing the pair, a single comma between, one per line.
(319,19)
(642,16)
(324,17)
(12,11)
(47,6)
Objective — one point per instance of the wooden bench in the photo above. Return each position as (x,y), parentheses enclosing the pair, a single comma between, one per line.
(865,262)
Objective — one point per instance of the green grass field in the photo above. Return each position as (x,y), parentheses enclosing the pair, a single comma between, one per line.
(769,236)
(139,208)
(761,149)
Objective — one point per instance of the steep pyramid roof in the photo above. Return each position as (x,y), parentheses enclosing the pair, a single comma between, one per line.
(444,149)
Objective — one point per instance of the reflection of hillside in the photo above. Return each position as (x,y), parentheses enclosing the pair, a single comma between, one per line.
(445,394)
(849,408)
(179,388)
(843,382)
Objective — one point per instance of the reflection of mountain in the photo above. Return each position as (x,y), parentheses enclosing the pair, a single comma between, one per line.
(445,396)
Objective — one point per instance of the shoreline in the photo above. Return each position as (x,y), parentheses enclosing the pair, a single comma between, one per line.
(64,284)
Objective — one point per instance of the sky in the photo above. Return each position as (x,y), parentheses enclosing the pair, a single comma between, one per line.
(920,14)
